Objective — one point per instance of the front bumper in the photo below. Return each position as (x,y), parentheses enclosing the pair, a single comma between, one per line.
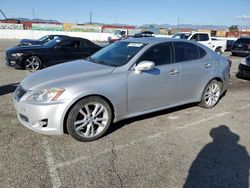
(244,70)
(14,62)
(31,115)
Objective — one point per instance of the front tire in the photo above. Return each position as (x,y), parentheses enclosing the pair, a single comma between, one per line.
(89,119)
(33,63)
(211,94)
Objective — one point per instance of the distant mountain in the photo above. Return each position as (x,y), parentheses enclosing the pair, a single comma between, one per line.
(37,20)
(190,26)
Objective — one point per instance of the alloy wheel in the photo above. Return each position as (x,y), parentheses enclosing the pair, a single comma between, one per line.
(32,63)
(212,94)
(91,120)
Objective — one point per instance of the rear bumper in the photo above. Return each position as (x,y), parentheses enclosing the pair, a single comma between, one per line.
(244,70)
(245,52)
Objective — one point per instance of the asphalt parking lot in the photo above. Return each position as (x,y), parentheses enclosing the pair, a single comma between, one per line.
(186,146)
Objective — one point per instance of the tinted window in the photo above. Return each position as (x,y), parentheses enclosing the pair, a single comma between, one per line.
(185,51)
(203,37)
(203,52)
(160,54)
(69,44)
(195,37)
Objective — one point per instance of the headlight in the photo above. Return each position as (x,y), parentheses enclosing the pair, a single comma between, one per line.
(243,61)
(45,95)
(16,54)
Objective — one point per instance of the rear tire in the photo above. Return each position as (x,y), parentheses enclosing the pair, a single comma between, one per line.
(211,94)
(89,119)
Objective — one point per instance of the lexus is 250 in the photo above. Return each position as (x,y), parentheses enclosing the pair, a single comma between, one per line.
(125,79)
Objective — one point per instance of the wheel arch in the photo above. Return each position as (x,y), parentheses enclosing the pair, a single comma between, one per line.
(217,78)
(38,55)
(75,102)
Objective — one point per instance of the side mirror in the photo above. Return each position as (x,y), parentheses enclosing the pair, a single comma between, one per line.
(144,65)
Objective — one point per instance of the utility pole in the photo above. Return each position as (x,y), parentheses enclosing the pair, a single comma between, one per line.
(178,22)
(90,17)
(115,19)
(33,13)
(3,14)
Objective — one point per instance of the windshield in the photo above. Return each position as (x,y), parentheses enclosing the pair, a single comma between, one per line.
(117,54)
(181,35)
(52,43)
(44,38)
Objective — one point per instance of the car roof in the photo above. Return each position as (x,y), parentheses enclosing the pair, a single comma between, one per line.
(152,40)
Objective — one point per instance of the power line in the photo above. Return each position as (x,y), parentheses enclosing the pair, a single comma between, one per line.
(3,14)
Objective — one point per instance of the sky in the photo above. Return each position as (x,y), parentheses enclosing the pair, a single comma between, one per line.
(133,12)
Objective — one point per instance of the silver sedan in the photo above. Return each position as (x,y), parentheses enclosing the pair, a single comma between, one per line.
(125,79)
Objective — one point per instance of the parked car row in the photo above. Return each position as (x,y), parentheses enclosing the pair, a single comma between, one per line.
(128,78)
(58,50)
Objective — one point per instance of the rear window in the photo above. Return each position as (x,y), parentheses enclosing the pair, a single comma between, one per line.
(243,41)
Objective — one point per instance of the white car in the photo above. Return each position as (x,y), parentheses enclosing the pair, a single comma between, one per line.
(218,45)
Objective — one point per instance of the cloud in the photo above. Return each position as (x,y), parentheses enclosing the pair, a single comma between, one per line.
(243,17)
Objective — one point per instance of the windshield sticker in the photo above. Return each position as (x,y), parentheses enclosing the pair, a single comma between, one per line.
(135,45)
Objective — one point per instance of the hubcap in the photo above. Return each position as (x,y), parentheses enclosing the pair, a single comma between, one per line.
(91,120)
(212,94)
(32,63)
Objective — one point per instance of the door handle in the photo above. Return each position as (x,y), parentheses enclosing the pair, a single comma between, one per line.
(174,72)
(207,65)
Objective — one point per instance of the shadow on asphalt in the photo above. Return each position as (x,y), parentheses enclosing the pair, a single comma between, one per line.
(6,89)
(122,123)
(222,163)
(242,78)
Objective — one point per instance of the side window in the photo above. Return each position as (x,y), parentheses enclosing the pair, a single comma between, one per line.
(160,54)
(195,37)
(86,44)
(203,52)
(203,37)
(70,44)
(185,51)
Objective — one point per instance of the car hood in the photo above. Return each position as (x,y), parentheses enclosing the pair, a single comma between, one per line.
(30,41)
(23,48)
(62,74)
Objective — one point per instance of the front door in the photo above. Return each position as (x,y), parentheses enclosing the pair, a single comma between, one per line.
(157,87)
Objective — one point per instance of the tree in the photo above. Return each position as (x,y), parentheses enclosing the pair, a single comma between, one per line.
(233,28)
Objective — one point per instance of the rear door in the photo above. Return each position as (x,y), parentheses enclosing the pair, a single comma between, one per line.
(196,68)
(157,87)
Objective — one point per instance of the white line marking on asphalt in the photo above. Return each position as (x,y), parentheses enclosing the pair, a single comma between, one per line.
(136,141)
(204,120)
(51,164)
(173,117)
(244,107)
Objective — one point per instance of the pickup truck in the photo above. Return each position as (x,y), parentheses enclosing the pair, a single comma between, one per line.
(219,46)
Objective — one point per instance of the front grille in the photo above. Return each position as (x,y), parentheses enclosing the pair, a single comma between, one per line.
(19,93)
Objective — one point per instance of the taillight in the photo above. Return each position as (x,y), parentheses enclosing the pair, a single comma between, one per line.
(229,62)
